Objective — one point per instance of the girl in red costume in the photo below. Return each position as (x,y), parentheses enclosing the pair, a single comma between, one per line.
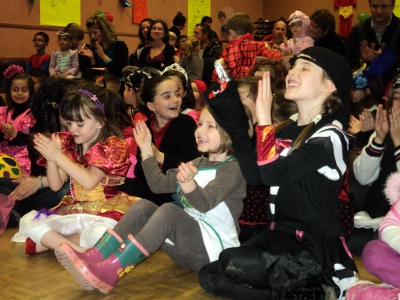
(93,156)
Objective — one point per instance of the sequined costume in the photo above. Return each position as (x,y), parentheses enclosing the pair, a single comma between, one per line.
(23,120)
(105,201)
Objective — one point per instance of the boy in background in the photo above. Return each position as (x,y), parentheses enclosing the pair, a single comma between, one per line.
(240,55)
(41,59)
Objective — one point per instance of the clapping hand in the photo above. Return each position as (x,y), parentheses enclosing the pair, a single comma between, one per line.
(142,136)
(264,100)
(186,172)
(381,124)
(367,51)
(354,125)
(9,130)
(394,119)
(367,120)
(50,148)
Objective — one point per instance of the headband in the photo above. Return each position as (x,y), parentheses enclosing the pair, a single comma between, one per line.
(176,67)
(62,33)
(13,70)
(93,98)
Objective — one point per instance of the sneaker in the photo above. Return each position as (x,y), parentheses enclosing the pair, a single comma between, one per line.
(366,290)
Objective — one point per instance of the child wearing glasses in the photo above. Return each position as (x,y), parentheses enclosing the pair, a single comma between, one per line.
(41,59)
(298,23)
(64,63)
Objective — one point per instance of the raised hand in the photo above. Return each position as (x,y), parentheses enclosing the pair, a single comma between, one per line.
(394,119)
(50,148)
(99,50)
(85,51)
(367,51)
(264,100)
(142,136)
(367,120)
(354,125)
(381,124)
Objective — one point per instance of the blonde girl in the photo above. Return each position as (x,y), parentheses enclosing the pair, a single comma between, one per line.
(191,60)
(211,191)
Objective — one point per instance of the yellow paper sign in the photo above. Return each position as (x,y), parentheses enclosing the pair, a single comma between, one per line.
(197,9)
(60,12)
(396,10)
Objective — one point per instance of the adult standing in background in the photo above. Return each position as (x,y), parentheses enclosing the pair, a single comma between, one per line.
(278,33)
(208,20)
(106,50)
(367,38)
(208,47)
(322,30)
(144,33)
(161,53)
(209,50)
(179,24)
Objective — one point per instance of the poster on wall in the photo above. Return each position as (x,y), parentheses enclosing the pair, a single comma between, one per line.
(60,12)
(197,9)
(396,10)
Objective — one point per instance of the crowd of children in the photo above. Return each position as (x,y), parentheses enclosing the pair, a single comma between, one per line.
(228,179)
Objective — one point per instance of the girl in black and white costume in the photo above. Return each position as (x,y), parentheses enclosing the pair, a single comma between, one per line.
(304,161)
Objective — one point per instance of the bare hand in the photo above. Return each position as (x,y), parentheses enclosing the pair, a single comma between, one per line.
(50,148)
(99,49)
(142,137)
(354,125)
(8,129)
(367,120)
(85,51)
(381,124)
(158,154)
(186,172)
(394,119)
(367,51)
(264,100)
(27,186)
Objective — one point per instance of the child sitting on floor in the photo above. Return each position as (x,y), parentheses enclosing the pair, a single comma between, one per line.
(211,192)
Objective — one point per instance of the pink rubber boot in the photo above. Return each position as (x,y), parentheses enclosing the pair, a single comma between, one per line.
(366,290)
(100,251)
(105,275)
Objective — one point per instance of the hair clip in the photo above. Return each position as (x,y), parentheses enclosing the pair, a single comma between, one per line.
(93,98)
(396,84)
(13,70)
(62,33)
(176,67)
(137,78)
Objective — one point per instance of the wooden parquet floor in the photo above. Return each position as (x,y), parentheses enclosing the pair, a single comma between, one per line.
(41,277)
